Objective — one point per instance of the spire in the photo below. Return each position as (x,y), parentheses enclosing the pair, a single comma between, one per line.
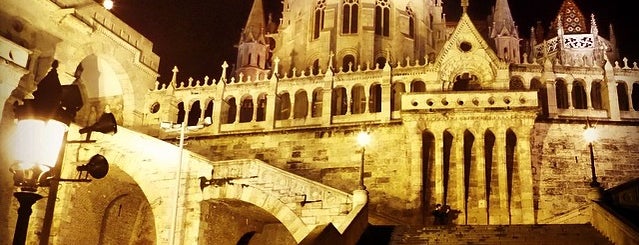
(573,20)
(503,23)
(255,24)
(464,5)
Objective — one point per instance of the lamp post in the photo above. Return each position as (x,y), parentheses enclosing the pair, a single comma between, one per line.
(363,139)
(42,123)
(590,135)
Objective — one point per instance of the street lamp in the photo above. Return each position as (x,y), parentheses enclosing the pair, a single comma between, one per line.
(107,4)
(42,121)
(590,135)
(363,139)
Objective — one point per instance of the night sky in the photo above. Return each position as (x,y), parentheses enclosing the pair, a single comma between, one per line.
(198,35)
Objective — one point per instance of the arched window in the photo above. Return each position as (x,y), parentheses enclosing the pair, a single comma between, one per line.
(358,96)
(283,106)
(562,94)
(301,104)
(381,62)
(417,86)
(542,94)
(246,109)
(316,111)
(194,114)
(466,82)
(229,110)
(208,113)
(347,63)
(622,96)
(382,18)
(350,12)
(635,96)
(181,113)
(339,101)
(375,100)
(319,18)
(315,68)
(579,100)
(516,84)
(595,95)
(411,22)
(260,114)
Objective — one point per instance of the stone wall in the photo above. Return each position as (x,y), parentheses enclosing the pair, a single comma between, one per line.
(331,156)
(561,163)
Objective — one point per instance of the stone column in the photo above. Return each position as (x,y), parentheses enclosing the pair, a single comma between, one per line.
(613,101)
(456,176)
(552,98)
(525,174)
(569,88)
(256,104)
(588,87)
(438,166)
(629,93)
(477,210)
(499,187)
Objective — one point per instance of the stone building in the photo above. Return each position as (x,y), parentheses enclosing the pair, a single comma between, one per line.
(464,113)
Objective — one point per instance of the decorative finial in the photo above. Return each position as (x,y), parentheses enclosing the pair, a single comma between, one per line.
(464,5)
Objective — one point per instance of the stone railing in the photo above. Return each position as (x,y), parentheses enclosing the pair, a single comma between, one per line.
(475,100)
(314,203)
(618,231)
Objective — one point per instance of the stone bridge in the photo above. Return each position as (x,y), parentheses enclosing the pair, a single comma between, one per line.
(149,169)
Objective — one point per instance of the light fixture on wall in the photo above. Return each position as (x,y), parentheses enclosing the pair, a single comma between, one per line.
(41,125)
(105,124)
(363,139)
(590,135)
(108,4)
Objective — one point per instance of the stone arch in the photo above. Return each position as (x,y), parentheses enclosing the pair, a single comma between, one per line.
(293,223)
(122,110)
(482,68)
(339,101)
(542,94)
(516,83)
(465,81)
(317,101)
(301,104)
(417,86)
(347,52)
(375,98)
(358,99)
(597,94)
(579,99)
(208,111)
(282,105)
(622,96)
(181,112)
(428,170)
(246,108)
(229,110)
(561,91)
(262,101)
(635,96)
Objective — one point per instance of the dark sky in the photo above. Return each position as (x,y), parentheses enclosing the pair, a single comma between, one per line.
(198,35)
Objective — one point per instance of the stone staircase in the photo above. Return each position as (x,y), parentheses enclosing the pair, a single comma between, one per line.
(562,234)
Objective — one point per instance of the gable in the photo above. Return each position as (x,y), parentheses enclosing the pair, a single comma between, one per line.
(467,51)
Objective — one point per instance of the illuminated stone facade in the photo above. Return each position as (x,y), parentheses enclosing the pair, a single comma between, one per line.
(458,117)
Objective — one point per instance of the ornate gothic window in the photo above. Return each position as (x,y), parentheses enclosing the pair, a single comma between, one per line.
(382,18)
(411,22)
(319,18)
(350,12)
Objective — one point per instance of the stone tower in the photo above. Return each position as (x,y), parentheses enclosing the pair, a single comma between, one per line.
(504,32)
(253,49)
(358,32)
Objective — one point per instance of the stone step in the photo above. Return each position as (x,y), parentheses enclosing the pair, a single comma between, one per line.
(486,234)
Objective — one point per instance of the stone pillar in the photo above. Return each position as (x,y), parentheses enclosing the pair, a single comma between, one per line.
(499,187)
(438,166)
(349,101)
(613,101)
(570,95)
(629,94)
(552,98)
(256,104)
(455,190)
(477,210)
(327,101)
(525,175)
(588,87)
